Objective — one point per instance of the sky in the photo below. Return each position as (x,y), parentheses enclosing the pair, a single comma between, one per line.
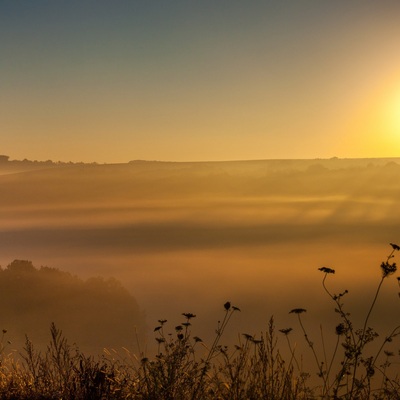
(114,81)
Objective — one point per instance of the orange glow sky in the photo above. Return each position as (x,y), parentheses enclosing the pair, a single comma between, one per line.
(211,80)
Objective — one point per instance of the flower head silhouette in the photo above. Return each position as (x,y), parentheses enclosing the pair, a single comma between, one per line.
(327,270)
(297,311)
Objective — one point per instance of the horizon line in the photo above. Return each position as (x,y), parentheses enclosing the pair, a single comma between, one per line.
(4,159)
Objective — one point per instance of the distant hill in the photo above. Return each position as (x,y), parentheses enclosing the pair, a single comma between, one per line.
(31,183)
(332,163)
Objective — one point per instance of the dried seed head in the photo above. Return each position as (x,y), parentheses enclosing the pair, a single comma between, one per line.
(297,311)
(340,329)
(388,269)
(327,270)
(189,315)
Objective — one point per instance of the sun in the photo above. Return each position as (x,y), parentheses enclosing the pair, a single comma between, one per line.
(384,122)
(375,128)
(391,115)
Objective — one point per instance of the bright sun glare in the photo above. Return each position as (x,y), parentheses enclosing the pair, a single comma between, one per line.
(392,117)
(379,122)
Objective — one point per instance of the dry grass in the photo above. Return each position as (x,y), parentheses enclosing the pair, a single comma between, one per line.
(186,368)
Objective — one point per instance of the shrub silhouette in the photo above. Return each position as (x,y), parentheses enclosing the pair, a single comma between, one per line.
(95,313)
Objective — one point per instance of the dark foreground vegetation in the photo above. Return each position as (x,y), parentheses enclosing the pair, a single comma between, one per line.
(359,365)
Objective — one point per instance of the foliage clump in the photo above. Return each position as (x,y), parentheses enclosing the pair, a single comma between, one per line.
(95,313)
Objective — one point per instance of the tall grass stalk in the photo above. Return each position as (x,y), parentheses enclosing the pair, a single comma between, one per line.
(350,382)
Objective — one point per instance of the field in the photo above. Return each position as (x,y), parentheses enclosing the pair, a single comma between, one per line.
(188,237)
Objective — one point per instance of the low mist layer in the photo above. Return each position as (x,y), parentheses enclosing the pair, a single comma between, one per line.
(186,237)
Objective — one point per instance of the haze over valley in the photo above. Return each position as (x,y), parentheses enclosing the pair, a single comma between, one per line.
(186,237)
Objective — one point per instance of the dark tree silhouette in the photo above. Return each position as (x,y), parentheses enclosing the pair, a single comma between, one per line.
(95,313)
